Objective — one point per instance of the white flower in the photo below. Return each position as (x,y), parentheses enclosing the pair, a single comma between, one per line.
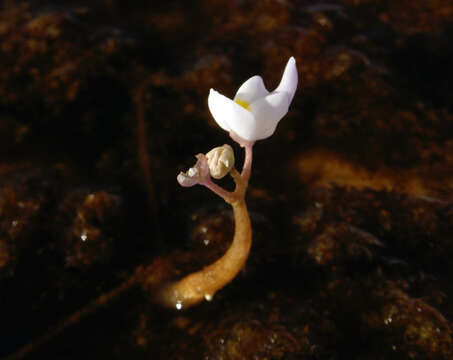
(254,112)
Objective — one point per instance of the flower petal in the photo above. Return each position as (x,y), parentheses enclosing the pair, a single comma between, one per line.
(242,122)
(219,105)
(268,112)
(231,116)
(289,79)
(251,90)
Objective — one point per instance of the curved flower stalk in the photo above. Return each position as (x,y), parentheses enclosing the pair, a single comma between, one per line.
(203,284)
(252,115)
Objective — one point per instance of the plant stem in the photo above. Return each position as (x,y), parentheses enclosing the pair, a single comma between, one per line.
(247,167)
(205,283)
(229,197)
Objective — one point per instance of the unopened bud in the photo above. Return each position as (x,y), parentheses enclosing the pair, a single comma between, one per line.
(197,174)
(220,161)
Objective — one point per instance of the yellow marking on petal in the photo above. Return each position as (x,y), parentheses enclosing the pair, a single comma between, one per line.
(243,103)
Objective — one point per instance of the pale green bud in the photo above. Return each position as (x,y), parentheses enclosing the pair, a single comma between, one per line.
(220,161)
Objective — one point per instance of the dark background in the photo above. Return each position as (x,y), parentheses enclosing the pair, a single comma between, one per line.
(102,103)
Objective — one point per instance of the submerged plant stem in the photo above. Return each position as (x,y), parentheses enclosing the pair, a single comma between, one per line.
(205,283)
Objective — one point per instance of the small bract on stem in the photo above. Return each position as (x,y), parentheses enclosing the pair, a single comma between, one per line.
(252,115)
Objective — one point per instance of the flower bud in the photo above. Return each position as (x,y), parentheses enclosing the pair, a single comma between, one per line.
(197,174)
(220,161)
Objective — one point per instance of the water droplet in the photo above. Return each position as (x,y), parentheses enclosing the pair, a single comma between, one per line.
(208,297)
(178,305)
(84,237)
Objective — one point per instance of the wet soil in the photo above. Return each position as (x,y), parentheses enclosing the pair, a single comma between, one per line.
(102,103)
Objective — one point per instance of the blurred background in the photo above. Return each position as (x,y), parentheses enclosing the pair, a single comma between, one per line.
(102,103)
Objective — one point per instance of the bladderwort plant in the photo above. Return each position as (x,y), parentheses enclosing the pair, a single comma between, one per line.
(252,115)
